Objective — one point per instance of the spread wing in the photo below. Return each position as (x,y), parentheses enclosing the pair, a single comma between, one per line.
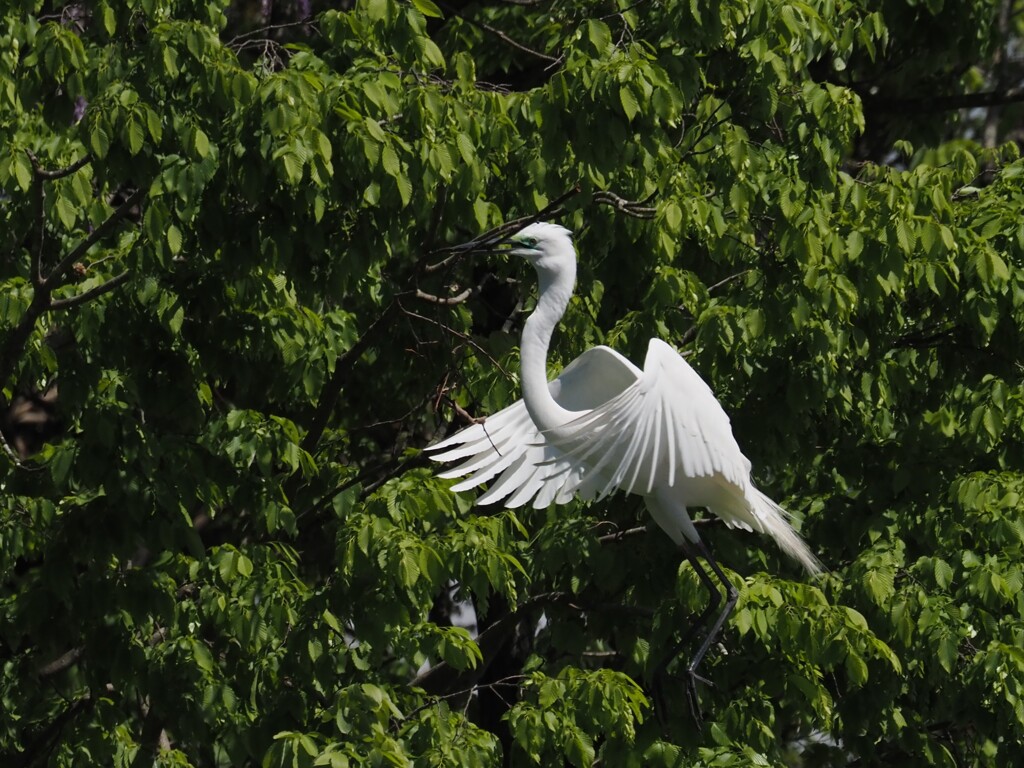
(509,447)
(665,428)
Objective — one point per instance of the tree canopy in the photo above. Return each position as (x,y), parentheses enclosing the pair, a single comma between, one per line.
(228,327)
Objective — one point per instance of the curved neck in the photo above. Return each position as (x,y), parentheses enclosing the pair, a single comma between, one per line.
(555,291)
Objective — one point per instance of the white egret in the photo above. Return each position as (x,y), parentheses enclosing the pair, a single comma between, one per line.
(604,425)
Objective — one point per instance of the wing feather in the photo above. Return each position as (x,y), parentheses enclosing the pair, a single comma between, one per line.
(508,443)
(661,427)
(664,429)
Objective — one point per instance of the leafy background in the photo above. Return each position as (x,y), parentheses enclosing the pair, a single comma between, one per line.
(227,330)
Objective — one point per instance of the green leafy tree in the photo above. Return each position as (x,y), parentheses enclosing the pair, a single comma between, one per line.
(228,326)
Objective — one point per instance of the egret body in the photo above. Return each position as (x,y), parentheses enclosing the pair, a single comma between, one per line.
(605,425)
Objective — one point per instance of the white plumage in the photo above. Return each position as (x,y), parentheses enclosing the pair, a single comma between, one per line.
(604,425)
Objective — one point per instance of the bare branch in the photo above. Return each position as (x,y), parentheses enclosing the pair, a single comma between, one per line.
(500,35)
(726,280)
(442,264)
(620,535)
(92,293)
(307,22)
(630,207)
(61,663)
(458,298)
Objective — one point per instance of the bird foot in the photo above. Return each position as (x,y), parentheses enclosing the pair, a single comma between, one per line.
(658,681)
(692,678)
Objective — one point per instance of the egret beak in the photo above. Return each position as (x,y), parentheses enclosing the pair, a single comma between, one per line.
(501,245)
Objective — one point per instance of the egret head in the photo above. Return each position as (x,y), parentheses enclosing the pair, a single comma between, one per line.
(546,246)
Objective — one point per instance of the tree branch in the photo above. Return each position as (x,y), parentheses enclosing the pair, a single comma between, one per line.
(620,535)
(56,278)
(946,103)
(35,269)
(44,739)
(342,368)
(58,173)
(92,293)
(42,302)
(458,298)
(499,34)
(459,335)
(61,663)
(630,207)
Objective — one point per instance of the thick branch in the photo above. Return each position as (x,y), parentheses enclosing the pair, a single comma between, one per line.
(43,741)
(61,663)
(58,173)
(42,301)
(39,193)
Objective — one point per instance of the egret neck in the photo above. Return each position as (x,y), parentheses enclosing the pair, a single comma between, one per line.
(556,286)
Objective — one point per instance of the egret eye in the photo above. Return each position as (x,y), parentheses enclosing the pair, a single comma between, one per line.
(529,242)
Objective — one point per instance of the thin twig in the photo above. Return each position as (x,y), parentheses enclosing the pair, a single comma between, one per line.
(307,22)
(499,34)
(459,335)
(728,279)
(486,241)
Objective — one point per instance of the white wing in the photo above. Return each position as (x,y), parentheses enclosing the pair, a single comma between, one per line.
(510,445)
(664,431)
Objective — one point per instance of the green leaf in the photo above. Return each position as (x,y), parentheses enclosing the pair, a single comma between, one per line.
(428,8)
(136,136)
(854,245)
(22,171)
(628,101)
(389,161)
(244,565)
(465,147)
(948,652)
(856,669)
(66,212)
(599,34)
(200,142)
(174,239)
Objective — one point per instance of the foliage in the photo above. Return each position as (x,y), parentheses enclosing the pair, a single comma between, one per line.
(222,280)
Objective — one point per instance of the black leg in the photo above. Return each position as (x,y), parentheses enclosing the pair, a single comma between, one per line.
(715,599)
